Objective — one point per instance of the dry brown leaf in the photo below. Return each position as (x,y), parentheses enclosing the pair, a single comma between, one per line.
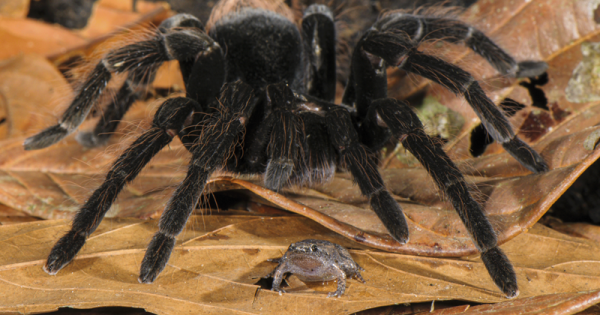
(585,230)
(44,183)
(109,16)
(561,303)
(220,254)
(14,8)
(552,31)
(30,90)
(12,216)
(27,36)
(513,204)
(219,258)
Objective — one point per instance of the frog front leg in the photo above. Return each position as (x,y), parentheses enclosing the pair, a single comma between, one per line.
(341,283)
(277,275)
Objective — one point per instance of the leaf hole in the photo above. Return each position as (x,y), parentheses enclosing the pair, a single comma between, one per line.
(538,97)
(480,138)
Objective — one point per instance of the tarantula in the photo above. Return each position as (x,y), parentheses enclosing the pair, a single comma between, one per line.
(260,99)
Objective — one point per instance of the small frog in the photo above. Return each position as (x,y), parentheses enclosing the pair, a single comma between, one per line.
(316,260)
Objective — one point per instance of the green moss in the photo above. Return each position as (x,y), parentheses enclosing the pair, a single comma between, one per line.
(584,85)
(439,120)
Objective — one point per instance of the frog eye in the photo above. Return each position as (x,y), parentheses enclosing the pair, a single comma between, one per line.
(314,248)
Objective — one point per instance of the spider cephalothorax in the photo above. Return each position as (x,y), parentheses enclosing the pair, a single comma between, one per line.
(260,99)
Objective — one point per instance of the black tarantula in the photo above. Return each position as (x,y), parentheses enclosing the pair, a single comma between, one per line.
(260,99)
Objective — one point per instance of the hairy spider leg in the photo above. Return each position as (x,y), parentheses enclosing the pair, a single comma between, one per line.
(300,134)
(286,136)
(168,122)
(295,130)
(174,117)
(419,28)
(315,158)
(179,37)
(409,31)
(269,57)
(397,117)
(214,145)
(317,161)
(405,124)
(401,53)
(318,32)
(130,91)
(269,51)
(362,164)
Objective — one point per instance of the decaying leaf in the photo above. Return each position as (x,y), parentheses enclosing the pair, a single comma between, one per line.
(30,36)
(31,89)
(11,216)
(584,84)
(220,258)
(513,204)
(584,230)
(109,16)
(531,30)
(43,183)
(14,8)
(561,303)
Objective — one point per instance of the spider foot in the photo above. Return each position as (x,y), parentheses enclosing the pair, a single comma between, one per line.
(529,68)
(390,213)
(501,271)
(89,139)
(64,251)
(76,113)
(278,173)
(285,136)
(156,257)
(526,155)
(46,138)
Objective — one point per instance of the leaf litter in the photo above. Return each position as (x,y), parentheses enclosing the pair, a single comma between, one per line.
(48,185)
(219,258)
